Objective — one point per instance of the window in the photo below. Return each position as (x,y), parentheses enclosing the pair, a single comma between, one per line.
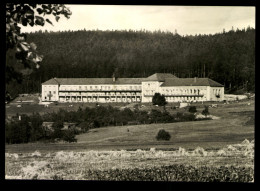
(54,92)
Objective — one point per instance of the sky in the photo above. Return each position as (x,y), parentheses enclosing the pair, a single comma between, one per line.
(186,20)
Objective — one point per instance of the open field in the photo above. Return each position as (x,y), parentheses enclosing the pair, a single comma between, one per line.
(231,163)
(211,150)
(230,128)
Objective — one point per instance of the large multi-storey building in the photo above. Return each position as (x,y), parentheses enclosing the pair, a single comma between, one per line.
(132,89)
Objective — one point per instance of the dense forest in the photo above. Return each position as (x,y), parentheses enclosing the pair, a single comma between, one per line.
(226,57)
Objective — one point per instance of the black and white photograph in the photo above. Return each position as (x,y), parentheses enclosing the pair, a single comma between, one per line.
(97,92)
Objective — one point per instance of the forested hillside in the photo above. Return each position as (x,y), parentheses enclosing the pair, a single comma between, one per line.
(226,57)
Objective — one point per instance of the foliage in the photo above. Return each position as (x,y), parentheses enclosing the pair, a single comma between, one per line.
(192,109)
(188,117)
(69,136)
(18,131)
(17,44)
(159,99)
(157,116)
(37,132)
(163,135)
(57,129)
(229,58)
(85,119)
(233,163)
(183,173)
(205,111)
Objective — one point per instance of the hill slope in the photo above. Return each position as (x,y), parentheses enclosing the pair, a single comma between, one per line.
(228,58)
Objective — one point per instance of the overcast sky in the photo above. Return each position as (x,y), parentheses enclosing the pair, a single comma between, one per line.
(187,20)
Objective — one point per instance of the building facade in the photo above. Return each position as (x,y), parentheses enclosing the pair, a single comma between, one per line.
(102,90)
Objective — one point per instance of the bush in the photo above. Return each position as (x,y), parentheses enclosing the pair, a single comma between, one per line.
(188,117)
(205,111)
(159,99)
(192,109)
(18,131)
(57,133)
(69,136)
(163,135)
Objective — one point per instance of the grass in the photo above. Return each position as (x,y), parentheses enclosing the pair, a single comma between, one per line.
(27,108)
(232,127)
(108,149)
(76,165)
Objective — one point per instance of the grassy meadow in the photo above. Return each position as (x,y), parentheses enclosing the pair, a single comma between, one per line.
(104,153)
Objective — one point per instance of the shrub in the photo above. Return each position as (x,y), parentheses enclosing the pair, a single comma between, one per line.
(69,136)
(163,135)
(159,99)
(37,132)
(188,117)
(57,132)
(192,109)
(205,111)
(18,131)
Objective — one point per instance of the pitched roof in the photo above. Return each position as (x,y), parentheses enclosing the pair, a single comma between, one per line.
(159,77)
(51,82)
(167,78)
(92,81)
(191,82)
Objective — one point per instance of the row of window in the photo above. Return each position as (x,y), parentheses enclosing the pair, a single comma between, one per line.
(103,94)
(184,98)
(216,91)
(100,87)
(171,92)
(50,92)
(97,99)
(185,91)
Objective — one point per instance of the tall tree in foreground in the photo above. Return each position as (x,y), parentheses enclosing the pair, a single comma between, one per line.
(25,53)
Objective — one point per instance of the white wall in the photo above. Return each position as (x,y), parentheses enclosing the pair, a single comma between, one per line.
(105,87)
(47,89)
(216,91)
(96,93)
(184,91)
(149,88)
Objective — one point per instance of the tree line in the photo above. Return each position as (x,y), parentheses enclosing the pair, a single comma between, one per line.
(31,129)
(226,57)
